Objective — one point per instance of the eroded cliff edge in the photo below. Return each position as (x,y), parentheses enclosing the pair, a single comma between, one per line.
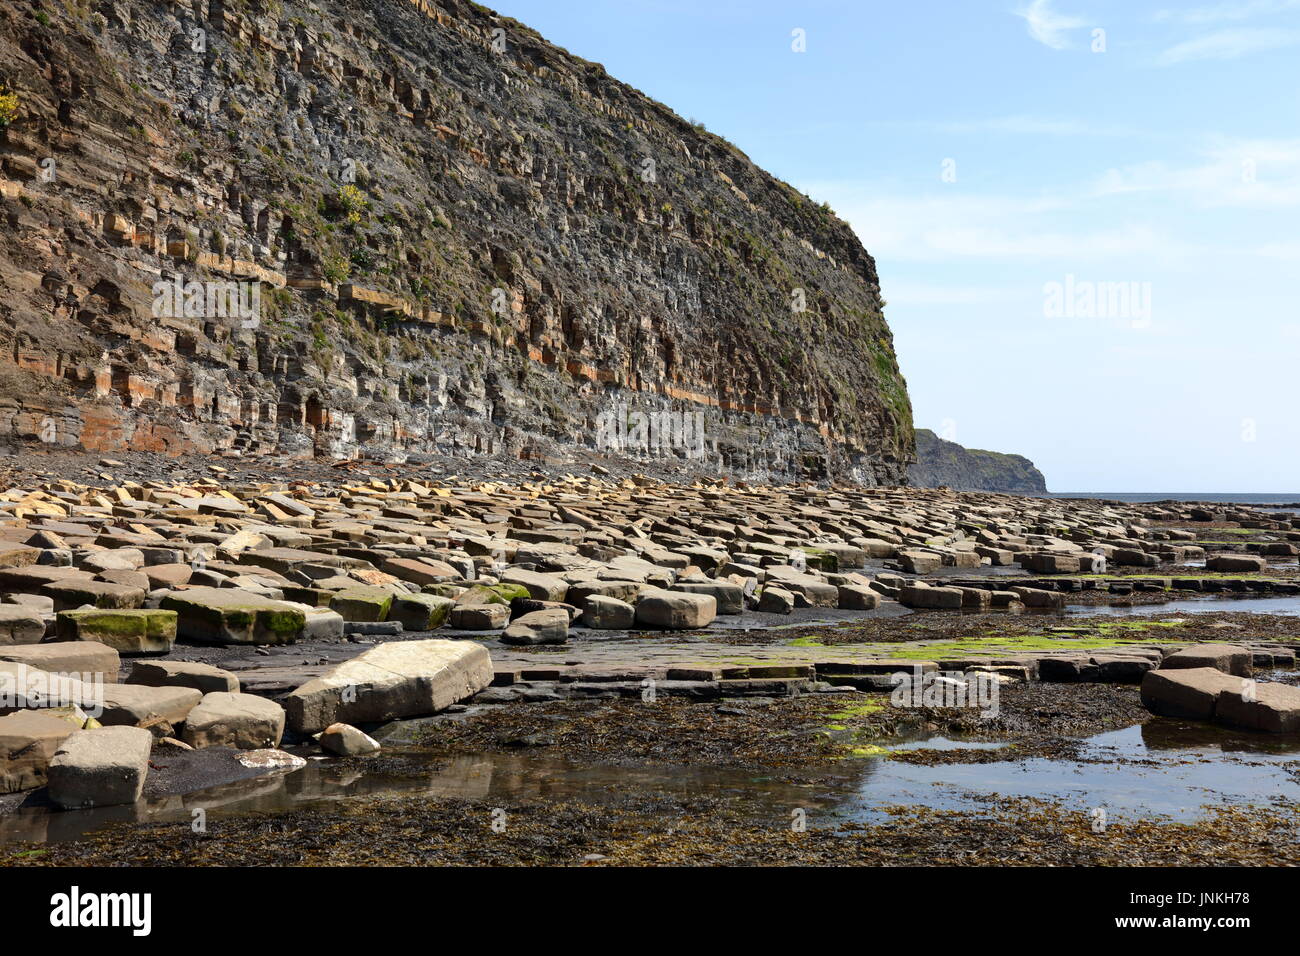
(380,170)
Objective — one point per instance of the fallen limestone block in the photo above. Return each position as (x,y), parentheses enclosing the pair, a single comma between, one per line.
(1191,693)
(538,627)
(35,579)
(521,606)
(1270,707)
(420,572)
(929,598)
(344,740)
(1235,562)
(397,679)
(625,591)
(846,555)
(135,705)
(84,660)
(365,604)
(420,612)
(1229,658)
(815,591)
(241,721)
(20,625)
(232,616)
(481,594)
(167,575)
(607,613)
(26,687)
(730,597)
(480,617)
(676,610)
(100,768)
(30,602)
(28,741)
(319,623)
(1131,557)
(542,587)
(855,597)
(102,594)
(919,562)
(1037,597)
(775,600)
(136,631)
(14,555)
(116,559)
(1047,562)
(202,677)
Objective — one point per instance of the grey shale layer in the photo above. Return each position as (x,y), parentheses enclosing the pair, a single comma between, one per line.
(465,239)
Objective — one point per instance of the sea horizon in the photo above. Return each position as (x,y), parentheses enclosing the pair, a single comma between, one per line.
(1217,497)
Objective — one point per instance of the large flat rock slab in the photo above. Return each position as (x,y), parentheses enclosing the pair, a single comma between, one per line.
(136,631)
(100,768)
(242,721)
(400,679)
(201,677)
(20,625)
(675,610)
(233,616)
(1274,708)
(28,741)
(85,660)
(1229,658)
(1187,692)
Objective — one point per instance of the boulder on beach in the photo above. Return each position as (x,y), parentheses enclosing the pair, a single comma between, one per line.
(135,631)
(344,740)
(1192,693)
(233,616)
(675,610)
(1229,658)
(28,741)
(400,679)
(241,721)
(100,768)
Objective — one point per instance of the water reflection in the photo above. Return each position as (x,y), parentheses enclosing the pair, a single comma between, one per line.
(1161,767)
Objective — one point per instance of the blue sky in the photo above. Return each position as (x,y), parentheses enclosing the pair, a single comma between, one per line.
(999,157)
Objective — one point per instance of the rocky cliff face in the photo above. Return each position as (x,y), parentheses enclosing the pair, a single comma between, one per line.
(457,238)
(940,462)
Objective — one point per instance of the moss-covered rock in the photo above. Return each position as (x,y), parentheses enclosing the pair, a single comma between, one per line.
(137,631)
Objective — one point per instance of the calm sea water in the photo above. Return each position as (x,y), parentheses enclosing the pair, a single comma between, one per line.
(1139,496)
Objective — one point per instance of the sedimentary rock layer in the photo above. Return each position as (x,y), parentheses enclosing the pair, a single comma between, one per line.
(462,238)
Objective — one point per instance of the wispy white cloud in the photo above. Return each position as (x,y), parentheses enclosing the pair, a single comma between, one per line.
(1227,12)
(1047,26)
(1244,173)
(939,228)
(1228,45)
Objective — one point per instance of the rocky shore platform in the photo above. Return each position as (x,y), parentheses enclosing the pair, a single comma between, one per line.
(171,629)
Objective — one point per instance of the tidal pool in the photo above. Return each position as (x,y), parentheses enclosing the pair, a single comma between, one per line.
(1288,606)
(1160,768)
